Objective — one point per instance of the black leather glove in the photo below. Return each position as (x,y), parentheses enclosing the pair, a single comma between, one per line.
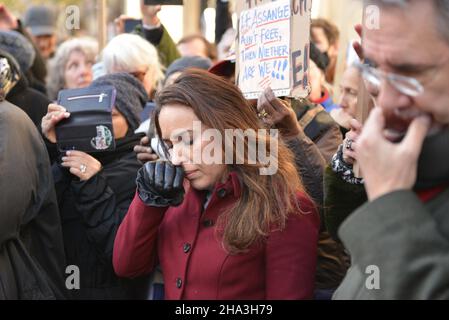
(160,184)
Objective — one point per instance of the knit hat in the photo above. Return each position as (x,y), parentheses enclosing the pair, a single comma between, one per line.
(131,95)
(321,59)
(19,47)
(183,63)
(40,20)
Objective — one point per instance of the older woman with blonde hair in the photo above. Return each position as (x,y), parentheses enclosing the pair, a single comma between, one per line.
(132,54)
(71,66)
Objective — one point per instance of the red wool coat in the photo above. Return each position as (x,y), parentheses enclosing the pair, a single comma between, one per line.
(193,261)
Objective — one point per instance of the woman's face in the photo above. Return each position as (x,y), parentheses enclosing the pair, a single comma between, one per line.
(349,87)
(177,124)
(147,79)
(316,77)
(78,71)
(119,124)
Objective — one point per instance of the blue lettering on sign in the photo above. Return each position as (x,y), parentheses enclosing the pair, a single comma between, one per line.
(269,34)
(246,40)
(248,55)
(264,69)
(279,69)
(263,52)
(275,51)
(248,73)
(254,18)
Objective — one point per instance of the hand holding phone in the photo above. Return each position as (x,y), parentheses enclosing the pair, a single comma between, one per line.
(130,24)
(55,114)
(146,151)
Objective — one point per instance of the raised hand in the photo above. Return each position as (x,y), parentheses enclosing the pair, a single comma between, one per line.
(276,112)
(55,113)
(160,184)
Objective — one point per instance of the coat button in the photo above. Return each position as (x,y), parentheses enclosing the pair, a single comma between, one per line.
(178,283)
(221,193)
(186,247)
(208,223)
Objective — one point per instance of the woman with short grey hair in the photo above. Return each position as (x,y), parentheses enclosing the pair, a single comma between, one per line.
(71,66)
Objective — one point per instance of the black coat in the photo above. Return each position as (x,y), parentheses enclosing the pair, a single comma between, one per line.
(32,262)
(33,102)
(91,212)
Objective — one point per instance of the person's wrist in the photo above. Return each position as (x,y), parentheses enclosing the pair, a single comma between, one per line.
(46,139)
(147,194)
(290,133)
(380,188)
(376,192)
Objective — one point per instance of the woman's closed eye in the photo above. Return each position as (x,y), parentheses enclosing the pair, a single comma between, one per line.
(73,66)
(186,139)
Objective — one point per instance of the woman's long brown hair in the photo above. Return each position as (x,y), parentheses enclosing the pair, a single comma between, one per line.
(266,200)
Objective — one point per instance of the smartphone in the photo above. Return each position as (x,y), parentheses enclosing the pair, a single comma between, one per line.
(156,145)
(131,24)
(163,2)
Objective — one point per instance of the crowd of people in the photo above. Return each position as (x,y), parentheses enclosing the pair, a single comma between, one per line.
(356,208)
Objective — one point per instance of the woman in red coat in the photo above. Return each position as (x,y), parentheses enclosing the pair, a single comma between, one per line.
(227,231)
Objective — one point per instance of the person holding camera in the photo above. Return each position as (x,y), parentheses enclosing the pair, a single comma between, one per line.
(95,190)
(217,229)
(151,29)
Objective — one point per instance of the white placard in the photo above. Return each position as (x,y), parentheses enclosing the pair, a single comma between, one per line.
(264,49)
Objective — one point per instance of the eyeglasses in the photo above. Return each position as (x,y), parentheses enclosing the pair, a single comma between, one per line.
(140,75)
(405,85)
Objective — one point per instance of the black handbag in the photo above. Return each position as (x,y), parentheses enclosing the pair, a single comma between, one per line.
(89,127)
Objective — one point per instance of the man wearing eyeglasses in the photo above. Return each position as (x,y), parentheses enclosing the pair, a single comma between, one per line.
(399,240)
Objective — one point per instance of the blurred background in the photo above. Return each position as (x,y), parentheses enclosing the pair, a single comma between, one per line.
(193,17)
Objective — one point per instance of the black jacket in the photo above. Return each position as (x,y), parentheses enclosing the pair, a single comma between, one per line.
(91,212)
(33,102)
(32,262)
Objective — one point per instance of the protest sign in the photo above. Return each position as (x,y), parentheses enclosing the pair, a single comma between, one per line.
(273,47)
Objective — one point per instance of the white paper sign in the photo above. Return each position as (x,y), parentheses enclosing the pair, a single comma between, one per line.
(264,49)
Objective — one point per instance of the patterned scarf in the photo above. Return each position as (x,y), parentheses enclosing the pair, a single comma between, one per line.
(8,78)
